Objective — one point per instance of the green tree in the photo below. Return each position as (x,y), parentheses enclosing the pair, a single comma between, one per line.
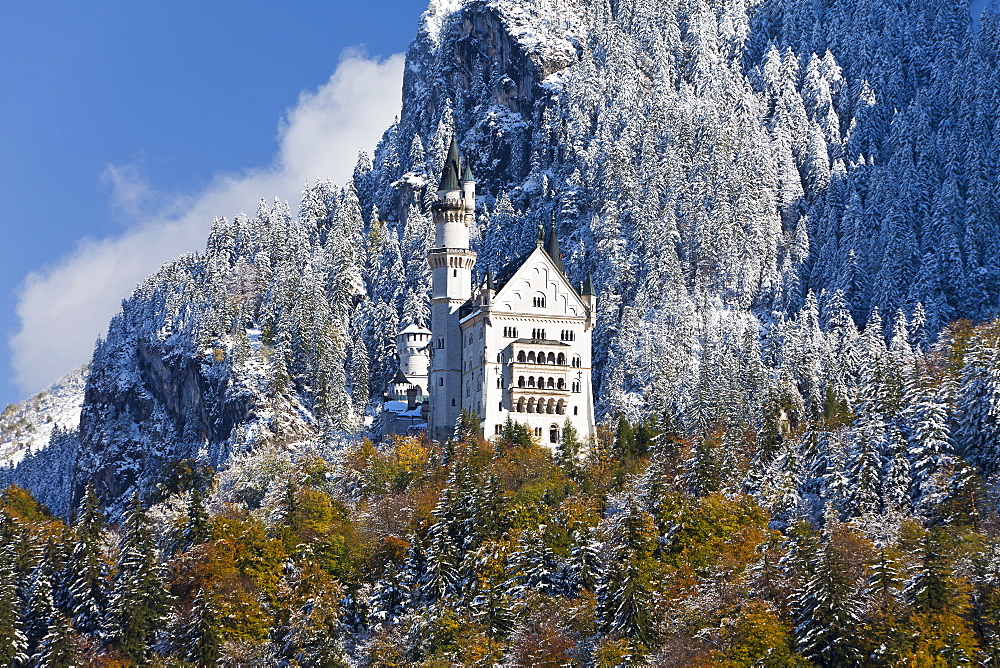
(139,600)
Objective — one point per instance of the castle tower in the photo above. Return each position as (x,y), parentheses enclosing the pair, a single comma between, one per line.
(451,262)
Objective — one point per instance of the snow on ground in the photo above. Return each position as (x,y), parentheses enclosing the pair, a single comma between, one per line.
(27,426)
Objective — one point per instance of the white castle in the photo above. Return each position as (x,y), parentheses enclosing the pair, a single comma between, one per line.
(517,346)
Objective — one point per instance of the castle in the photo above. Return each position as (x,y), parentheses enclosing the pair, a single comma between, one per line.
(516,346)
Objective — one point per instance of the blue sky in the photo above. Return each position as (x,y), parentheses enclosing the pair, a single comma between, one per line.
(124,116)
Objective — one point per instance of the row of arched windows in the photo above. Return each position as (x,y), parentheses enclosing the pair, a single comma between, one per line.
(538,302)
(541,405)
(540,382)
(510,332)
(538,333)
(567,335)
(540,358)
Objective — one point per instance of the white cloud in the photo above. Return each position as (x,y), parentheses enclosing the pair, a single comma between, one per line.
(63,309)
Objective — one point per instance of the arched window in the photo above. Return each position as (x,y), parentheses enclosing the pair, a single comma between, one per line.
(541,357)
(576,410)
(538,432)
(498,429)
(550,407)
(520,381)
(539,301)
(441,381)
(561,384)
(541,382)
(551,358)
(576,360)
(551,384)
(520,405)
(576,386)
(531,381)
(561,407)
(499,383)
(440,343)
(531,357)
(554,434)
(520,357)
(531,405)
(561,360)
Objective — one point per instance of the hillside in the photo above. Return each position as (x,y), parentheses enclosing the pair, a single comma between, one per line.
(789,210)
(741,179)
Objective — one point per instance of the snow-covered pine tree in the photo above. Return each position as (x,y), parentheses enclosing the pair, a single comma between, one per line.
(88,590)
(138,602)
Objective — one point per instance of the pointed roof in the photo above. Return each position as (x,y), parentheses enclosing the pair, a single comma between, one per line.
(467,172)
(552,248)
(489,280)
(452,167)
(588,286)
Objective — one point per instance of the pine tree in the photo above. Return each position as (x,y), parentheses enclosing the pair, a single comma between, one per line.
(978,432)
(138,603)
(89,587)
(200,642)
(13,643)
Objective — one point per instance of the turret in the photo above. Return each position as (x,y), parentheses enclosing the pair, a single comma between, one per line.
(451,262)
(552,248)
(455,210)
(468,186)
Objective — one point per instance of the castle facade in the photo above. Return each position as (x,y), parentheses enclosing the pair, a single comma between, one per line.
(517,345)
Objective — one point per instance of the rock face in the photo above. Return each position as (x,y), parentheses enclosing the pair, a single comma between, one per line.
(148,409)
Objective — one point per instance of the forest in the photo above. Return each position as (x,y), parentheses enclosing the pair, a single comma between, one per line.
(829,535)
(790,213)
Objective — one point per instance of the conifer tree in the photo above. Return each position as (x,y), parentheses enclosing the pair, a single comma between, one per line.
(13,643)
(200,642)
(138,602)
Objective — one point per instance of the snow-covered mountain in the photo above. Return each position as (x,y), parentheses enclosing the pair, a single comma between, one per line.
(748,183)
(27,427)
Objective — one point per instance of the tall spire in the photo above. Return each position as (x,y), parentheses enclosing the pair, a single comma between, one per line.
(552,247)
(588,286)
(452,168)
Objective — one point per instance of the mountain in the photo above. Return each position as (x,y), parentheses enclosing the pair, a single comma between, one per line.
(789,211)
(748,183)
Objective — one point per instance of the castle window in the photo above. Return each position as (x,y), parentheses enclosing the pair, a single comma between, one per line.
(500,406)
(552,384)
(454,272)
(520,381)
(576,387)
(576,361)
(499,382)
(498,429)
(538,432)
(531,357)
(441,343)
(452,402)
(541,357)
(538,302)
(551,359)
(561,407)
(554,434)
(440,381)
(531,381)
(499,358)
(520,357)
(561,360)
(561,385)
(576,410)
(520,405)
